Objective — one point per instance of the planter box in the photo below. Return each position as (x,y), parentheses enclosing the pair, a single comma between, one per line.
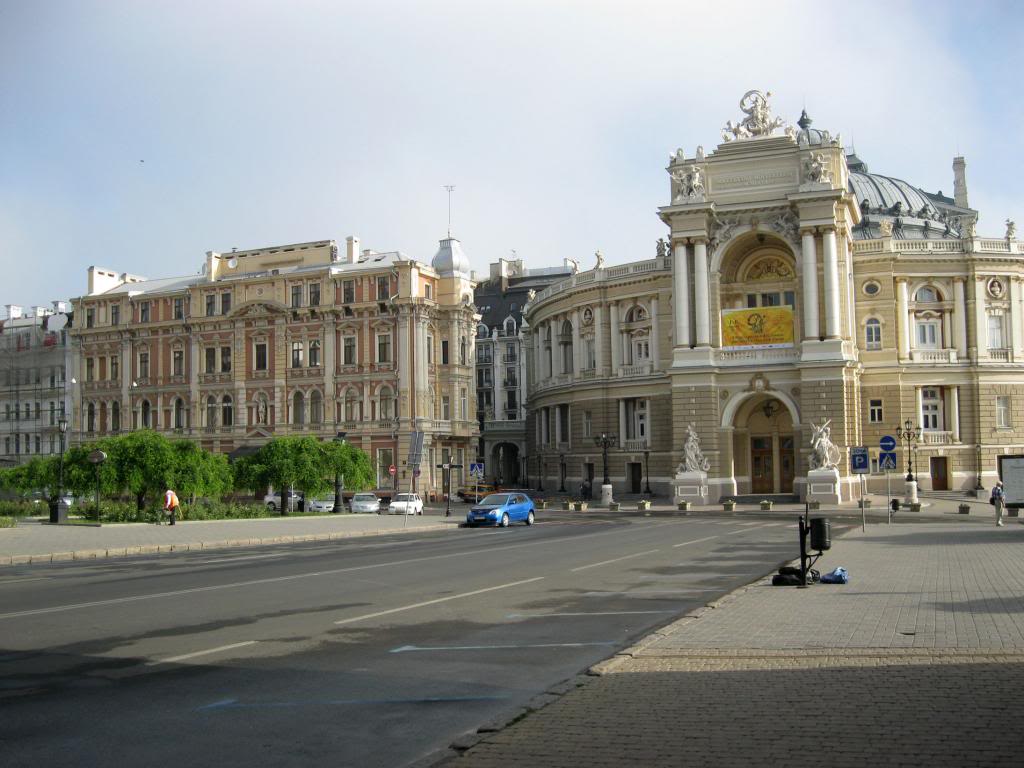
(766,506)
(567,505)
(540,504)
(613,506)
(1012,512)
(579,506)
(915,507)
(729,506)
(814,506)
(964,509)
(684,506)
(643,506)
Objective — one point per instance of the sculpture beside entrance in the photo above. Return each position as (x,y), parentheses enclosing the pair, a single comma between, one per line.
(691,480)
(823,476)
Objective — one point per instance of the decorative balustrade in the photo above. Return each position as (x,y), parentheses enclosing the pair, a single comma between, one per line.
(636,445)
(748,356)
(933,356)
(936,437)
(999,355)
(628,371)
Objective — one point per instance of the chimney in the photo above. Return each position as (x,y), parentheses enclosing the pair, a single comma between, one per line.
(960,182)
(100,280)
(351,249)
(14,311)
(212,266)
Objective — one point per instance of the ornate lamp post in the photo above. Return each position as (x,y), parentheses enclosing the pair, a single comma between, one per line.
(910,435)
(339,480)
(561,473)
(647,473)
(59,512)
(604,441)
(540,470)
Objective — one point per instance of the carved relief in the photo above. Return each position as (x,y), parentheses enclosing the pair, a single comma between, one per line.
(816,171)
(787,224)
(689,182)
(772,268)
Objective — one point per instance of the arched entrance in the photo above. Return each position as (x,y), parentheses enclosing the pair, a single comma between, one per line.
(764,446)
(504,465)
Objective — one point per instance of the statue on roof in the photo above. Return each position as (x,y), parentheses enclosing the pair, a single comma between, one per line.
(574,266)
(1011,229)
(600,259)
(758,120)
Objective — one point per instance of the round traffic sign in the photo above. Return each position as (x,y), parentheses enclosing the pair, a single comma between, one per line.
(887,443)
(392,469)
(416,472)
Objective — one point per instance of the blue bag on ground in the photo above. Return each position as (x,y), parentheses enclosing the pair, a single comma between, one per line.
(838,576)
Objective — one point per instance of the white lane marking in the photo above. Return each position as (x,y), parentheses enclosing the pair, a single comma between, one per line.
(207,652)
(18,581)
(695,541)
(233,559)
(580,613)
(410,648)
(436,600)
(614,560)
(313,574)
(680,591)
(745,530)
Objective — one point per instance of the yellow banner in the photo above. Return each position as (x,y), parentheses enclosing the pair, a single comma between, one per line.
(758,328)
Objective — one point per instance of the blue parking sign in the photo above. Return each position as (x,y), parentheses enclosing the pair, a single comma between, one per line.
(860,464)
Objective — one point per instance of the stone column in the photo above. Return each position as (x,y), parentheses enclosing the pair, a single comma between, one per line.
(330,368)
(954,412)
(681,294)
(599,340)
(702,310)
(831,284)
(655,346)
(577,344)
(616,338)
(980,317)
(809,256)
(960,319)
(538,354)
(558,425)
(622,422)
(1014,323)
(403,359)
(902,319)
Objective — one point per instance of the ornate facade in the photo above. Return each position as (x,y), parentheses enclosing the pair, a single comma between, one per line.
(793,287)
(293,339)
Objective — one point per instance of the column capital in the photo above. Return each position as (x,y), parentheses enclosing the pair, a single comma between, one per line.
(959,279)
(805,231)
(902,280)
(700,240)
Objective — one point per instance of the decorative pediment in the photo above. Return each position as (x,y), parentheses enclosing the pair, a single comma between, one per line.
(259,308)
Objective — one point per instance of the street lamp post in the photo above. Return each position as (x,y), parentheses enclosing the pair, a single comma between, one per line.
(561,473)
(339,480)
(910,435)
(540,471)
(604,441)
(59,513)
(647,473)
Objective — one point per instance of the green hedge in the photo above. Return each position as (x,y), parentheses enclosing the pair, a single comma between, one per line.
(7,522)
(22,509)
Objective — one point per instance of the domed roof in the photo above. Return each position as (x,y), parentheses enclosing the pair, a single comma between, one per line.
(450,258)
(810,137)
(884,193)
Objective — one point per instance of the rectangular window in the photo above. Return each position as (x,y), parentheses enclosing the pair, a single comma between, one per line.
(446,408)
(143,365)
(931,409)
(115,314)
(211,360)
(261,356)
(995,332)
(179,309)
(590,353)
(296,296)
(348,292)
(211,305)
(875,411)
(873,334)
(90,368)
(587,424)
(383,288)
(115,367)
(428,291)
(178,363)
(90,317)
(928,334)
(1003,420)
(430,349)
(144,312)
(314,294)
(314,354)
(384,348)
(510,377)
(297,354)
(225,303)
(349,350)
(463,404)
(444,351)
(225,359)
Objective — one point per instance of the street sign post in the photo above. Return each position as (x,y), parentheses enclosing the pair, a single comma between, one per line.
(886,461)
(887,443)
(392,470)
(860,464)
(448,467)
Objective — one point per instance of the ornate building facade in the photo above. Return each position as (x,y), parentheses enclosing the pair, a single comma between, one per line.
(292,339)
(794,288)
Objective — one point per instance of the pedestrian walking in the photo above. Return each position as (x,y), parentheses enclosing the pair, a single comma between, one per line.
(998,501)
(171,505)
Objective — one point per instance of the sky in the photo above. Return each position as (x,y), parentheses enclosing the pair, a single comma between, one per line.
(137,135)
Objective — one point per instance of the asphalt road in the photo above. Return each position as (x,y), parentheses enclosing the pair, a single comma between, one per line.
(364,652)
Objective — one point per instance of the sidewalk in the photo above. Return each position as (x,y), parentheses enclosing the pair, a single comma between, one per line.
(919,661)
(35,543)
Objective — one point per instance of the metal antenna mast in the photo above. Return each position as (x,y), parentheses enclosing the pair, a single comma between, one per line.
(450,188)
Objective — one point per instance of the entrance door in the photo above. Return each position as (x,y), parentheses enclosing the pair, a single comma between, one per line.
(787,464)
(635,477)
(761,465)
(940,481)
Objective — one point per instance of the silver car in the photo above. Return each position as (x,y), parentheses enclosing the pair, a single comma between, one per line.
(322,504)
(365,503)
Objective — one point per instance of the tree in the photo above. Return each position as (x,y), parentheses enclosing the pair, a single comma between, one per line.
(196,472)
(141,462)
(350,462)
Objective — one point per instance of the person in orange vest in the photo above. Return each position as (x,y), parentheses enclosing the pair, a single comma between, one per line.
(171,504)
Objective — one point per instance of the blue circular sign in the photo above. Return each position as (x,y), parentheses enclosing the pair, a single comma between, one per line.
(887,443)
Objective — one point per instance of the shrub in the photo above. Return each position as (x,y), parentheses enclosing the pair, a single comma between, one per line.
(7,522)
(21,509)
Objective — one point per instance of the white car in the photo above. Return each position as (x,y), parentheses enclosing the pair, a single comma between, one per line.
(365,503)
(406,504)
(322,504)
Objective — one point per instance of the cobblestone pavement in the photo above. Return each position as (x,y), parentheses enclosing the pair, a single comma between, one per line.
(918,661)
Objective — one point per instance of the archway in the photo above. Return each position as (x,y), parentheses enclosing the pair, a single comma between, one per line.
(764,442)
(504,465)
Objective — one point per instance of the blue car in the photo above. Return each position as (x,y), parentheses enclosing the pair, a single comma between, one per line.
(502,509)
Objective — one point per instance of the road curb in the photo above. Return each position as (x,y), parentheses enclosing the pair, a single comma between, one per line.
(155,549)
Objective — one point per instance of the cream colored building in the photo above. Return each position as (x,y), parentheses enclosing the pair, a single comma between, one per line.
(793,288)
(292,339)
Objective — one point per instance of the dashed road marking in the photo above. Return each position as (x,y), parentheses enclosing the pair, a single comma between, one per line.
(196,654)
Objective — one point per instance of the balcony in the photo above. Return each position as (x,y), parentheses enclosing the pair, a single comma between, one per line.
(999,355)
(745,357)
(509,358)
(503,426)
(936,437)
(636,445)
(510,384)
(629,371)
(933,356)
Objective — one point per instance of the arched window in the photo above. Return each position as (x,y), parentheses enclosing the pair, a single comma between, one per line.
(481,331)
(298,409)
(145,415)
(90,418)
(927,295)
(873,334)
(227,411)
(316,407)
(384,406)
(565,345)
(179,413)
(115,417)
(510,326)
(211,411)
(351,405)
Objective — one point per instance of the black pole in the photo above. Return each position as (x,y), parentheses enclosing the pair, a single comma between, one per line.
(97,491)
(448,496)
(647,471)
(604,458)
(561,473)
(803,545)
(55,513)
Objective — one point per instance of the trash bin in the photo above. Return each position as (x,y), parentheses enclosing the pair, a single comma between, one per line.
(895,504)
(821,534)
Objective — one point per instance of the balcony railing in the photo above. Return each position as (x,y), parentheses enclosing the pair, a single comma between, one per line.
(643,369)
(635,445)
(510,358)
(933,355)
(999,355)
(936,437)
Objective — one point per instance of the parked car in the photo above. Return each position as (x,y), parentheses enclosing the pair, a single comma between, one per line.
(472,493)
(406,504)
(365,503)
(293,499)
(321,504)
(502,509)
